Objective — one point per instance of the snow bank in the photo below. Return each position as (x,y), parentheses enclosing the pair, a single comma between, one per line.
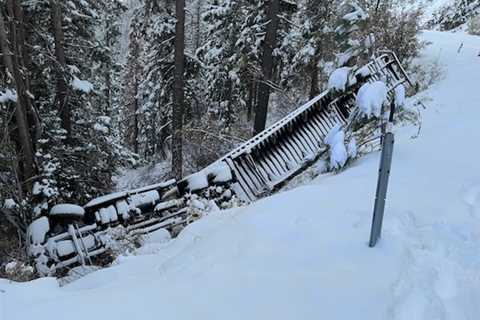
(371,97)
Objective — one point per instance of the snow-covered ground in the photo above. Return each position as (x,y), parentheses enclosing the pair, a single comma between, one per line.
(303,254)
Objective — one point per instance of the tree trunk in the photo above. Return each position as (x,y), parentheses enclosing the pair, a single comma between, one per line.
(61,64)
(178,107)
(25,155)
(267,66)
(136,128)
(250,99)
(314,90)
(23,58)
(197,23)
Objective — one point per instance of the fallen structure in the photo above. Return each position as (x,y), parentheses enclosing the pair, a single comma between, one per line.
(71,235)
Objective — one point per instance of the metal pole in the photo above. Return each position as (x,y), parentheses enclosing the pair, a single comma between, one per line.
(388,142)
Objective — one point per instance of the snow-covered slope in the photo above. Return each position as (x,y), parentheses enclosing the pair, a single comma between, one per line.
(303,254)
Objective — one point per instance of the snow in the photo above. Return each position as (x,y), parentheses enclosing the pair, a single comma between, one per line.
(197,181)
(335,139)
(67,209)
(122,209)
(118,195)
(9,204)
(339,79)
(37,230)
(221,171)
(100,128)
(65,248)
(159,236)
(352,149)
(399,95)
(8,95)
(81,85)
(357,14)
(108,214)
(371,97)
(144,198)
(363,71)
(167,205)
(303,253)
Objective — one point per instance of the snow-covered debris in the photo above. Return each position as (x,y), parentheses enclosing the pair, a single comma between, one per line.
(399,96)
(67,210)
(82,85)
(338,152)
(371,97)
(8,95)
(339,79)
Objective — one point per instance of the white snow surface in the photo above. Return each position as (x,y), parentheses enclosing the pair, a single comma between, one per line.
(303,254)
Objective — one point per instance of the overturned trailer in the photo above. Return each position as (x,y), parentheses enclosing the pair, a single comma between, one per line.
(71,235)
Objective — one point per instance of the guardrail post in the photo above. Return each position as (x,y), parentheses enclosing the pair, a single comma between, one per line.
(388,141)
(382,186)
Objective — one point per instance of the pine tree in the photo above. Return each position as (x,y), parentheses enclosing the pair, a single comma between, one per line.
(352,45)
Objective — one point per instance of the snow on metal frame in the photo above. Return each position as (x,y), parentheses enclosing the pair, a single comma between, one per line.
(256,175)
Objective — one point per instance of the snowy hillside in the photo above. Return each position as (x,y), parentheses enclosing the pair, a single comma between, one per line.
(303,254)
(431,6)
